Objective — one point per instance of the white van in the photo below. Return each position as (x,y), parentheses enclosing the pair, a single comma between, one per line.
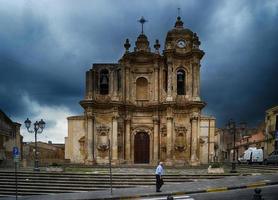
(252,155)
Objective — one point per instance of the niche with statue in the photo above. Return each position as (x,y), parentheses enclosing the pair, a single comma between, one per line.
(103,140)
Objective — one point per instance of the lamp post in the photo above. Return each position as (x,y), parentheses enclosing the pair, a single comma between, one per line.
(231,127)
(110,167)
(38,128)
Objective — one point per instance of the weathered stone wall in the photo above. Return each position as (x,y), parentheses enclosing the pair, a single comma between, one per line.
(73,146)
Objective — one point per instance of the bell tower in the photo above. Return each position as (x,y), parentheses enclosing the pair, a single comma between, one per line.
(183,58)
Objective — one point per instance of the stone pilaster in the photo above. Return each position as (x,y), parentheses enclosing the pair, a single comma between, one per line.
(115,85)
(111,83)
(89,85)
(115,138)
(189,84)
(127,139)
(127,82)
(156,89)
(156,139)
(93,77)
(169,84)
(90,138)
(196,81)
(194,160)
(169,143)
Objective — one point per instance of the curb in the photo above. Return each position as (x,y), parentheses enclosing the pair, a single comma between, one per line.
(216,189)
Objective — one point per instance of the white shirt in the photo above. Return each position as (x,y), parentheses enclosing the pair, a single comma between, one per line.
(159,170)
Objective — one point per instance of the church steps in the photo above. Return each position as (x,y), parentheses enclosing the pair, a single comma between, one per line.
(92,179)
(33,183)
(75,184)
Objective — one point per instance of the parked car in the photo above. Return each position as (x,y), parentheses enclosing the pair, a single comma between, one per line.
(252,155)
(272,158)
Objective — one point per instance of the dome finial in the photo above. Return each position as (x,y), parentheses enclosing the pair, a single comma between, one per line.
(179,12)
(142,21)
(179,23)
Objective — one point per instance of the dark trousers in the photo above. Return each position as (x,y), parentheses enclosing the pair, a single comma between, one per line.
(159,182)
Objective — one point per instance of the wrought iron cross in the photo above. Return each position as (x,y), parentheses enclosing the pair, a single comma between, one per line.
(142,21)
(179,11)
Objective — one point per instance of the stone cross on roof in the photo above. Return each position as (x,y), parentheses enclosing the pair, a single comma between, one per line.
(142,21)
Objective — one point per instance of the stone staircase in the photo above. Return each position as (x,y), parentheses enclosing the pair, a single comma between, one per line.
(34,183)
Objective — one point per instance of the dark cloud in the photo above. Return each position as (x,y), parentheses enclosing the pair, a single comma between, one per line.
(45,49)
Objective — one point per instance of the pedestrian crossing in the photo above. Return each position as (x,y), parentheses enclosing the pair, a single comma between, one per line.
(179,197)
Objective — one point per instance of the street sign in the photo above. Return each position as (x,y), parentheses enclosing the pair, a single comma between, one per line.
(15,151)
(16,154)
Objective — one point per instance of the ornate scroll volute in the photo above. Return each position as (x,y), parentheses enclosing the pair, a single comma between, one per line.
(180,143)
(103,136)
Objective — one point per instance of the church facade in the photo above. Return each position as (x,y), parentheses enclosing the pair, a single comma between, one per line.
(145,108)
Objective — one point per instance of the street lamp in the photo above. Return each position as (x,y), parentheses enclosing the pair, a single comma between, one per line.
(38,128)
(231,127)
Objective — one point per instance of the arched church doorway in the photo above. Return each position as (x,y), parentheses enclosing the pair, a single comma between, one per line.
(141,148)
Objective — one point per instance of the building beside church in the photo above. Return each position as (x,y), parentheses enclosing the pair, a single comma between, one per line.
(9,138)
(147,107)
(271,130)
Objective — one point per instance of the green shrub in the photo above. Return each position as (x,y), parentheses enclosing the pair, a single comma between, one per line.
(216,165)
(55,165)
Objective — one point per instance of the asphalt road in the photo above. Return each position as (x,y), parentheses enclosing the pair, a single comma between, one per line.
(268,193)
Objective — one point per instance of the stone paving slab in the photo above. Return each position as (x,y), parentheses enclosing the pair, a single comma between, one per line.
(199,186)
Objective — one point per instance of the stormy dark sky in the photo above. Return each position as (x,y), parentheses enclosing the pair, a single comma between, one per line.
(46,47)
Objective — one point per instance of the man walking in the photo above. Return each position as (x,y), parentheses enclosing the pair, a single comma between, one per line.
(158,176)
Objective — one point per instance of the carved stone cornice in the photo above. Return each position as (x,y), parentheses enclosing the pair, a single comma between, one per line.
(103,98)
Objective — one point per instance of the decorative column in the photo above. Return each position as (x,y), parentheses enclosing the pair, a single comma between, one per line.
(156,138)
(156,89)
(90,138)
(189,85)
(127,139)
(127,81)
(93,77)
(111,83)
(89,84)
(196,81)
(169,84)
(169,144)
(194,140)
(115,138)
(115,85)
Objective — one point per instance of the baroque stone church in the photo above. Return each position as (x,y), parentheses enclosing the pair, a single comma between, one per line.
(145,108)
